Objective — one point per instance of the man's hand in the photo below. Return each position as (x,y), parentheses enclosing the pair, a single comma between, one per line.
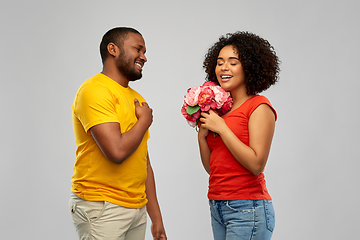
(143,113)
(158,231)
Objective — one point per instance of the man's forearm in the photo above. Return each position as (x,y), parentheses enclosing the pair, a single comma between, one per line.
(152,206)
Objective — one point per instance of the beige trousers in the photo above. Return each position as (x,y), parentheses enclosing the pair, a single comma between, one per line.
(107,221)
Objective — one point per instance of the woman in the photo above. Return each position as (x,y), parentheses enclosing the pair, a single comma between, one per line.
(236,151)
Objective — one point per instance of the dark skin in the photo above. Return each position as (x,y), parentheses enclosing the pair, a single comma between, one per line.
(117,146)
(261,123)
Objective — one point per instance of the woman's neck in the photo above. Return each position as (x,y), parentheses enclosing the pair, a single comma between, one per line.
(239,97)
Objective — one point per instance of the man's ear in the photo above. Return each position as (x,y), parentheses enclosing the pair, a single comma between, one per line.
(113,50)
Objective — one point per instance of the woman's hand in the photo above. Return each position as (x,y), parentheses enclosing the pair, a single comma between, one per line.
(212,121)
(203,132)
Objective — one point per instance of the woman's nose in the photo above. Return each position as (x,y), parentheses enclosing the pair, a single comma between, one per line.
(224,67)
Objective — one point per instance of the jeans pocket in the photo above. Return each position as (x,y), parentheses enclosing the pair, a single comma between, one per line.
(245,206)
(270,215)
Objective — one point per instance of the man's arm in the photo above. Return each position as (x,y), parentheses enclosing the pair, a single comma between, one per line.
(116,146)
(153,209)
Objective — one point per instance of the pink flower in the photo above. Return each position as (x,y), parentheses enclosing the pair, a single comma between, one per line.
(191,118)
(191,97)
(227,106)
(192,124)
(209,83)
(206,99)
(183,111)
(202,99)
(220,96)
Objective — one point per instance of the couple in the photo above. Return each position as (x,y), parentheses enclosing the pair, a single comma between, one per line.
(113,183)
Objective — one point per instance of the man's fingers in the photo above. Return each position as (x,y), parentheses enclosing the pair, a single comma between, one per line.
(136,102)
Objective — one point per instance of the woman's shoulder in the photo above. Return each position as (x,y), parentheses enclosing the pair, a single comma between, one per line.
(259,98)
(256,101)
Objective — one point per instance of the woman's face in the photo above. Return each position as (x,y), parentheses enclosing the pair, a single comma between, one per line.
(229,71)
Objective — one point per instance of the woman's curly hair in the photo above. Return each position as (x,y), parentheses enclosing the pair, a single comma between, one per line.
(257,57)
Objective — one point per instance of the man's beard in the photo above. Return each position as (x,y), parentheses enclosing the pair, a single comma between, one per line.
(125,68)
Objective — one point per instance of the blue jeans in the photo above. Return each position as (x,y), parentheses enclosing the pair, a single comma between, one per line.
(242,219)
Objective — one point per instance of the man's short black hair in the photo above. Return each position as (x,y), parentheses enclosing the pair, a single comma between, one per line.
(117,36)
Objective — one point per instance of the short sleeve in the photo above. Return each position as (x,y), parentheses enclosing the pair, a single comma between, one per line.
(95,104)
(257,101)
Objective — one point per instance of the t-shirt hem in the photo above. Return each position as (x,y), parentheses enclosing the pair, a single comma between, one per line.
(239,198)
(111,200)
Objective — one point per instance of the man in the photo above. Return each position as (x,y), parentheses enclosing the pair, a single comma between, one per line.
(113,182)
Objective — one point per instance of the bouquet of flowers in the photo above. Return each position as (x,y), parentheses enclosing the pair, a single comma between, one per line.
(202,99)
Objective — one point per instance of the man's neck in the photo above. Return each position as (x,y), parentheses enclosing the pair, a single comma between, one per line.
(115,75)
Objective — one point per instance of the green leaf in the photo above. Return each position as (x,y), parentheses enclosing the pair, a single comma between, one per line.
(192,109)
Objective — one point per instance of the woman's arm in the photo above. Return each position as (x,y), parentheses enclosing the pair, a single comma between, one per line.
(204,148)
(261,131)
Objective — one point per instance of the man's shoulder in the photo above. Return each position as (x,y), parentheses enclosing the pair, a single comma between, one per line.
(94,84)
(93,90)
(94,80)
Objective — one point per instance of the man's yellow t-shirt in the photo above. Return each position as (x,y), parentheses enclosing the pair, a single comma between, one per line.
(101,100)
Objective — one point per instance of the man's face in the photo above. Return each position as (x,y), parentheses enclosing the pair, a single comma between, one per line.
(132,57)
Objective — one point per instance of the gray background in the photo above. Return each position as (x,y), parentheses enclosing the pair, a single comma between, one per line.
(48,48)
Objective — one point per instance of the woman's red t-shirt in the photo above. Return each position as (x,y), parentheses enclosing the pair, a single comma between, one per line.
(229,180)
